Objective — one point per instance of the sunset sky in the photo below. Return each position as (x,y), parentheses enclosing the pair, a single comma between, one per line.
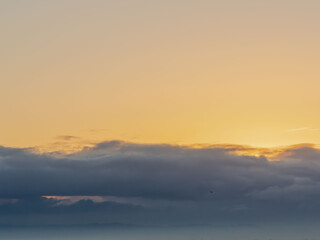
(197,118)
(178,72)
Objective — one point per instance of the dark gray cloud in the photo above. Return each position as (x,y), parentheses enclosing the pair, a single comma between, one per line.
(161,182)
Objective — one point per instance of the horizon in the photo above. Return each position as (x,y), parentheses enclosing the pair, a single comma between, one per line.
(168,119)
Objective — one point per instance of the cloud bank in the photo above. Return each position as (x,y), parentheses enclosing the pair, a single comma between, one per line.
(159,184)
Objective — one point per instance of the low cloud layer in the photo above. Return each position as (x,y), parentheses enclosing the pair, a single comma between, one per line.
(159,184)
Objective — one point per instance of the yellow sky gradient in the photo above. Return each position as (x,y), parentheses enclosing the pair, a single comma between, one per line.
(241,72)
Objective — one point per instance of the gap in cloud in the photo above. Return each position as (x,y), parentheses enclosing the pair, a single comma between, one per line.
(69,200)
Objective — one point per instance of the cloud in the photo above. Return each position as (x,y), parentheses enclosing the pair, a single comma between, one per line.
(302,129)
(67,138)
(154,178)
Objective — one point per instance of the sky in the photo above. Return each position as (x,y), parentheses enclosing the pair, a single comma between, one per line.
(177,119)
(178,72)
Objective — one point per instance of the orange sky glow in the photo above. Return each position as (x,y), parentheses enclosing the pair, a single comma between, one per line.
(74,73)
